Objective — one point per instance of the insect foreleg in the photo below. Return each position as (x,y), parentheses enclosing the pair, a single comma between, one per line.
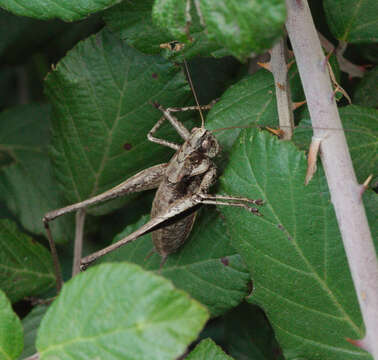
(161,141)
(233,198)
(178,125)
(231,201)
(253,210)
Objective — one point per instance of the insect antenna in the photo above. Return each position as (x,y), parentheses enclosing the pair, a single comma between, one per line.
(194,93)
(297,127)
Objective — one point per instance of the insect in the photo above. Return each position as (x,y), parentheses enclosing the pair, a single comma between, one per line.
(182,187)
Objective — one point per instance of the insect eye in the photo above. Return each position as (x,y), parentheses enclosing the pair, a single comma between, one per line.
(206,144)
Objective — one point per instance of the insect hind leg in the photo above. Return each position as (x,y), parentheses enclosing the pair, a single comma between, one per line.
(144,180)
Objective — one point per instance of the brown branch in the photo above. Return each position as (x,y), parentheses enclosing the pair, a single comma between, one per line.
(342,183)
(279,69)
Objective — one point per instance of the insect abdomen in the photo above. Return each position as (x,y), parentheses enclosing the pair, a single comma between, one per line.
(168,239)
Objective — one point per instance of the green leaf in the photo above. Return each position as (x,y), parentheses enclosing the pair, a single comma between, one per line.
(249,102)
(371,206)
(206,266)
(249,335)
(208,350)
(220,74)
(10,331)
(244,26)
(367,52)
(26,266)
(48,40)
(67,10)
(25,36)
(240,28)
(4,212)
(132,22)
(366,93)
(102,94)
(294,251)
(27,183)
(361,126)
(119,311)
(7,88)
(30,324)
(353,21)
(172,15)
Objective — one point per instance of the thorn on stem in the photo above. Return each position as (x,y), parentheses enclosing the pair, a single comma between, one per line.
(359,343)
(298,104)
(265,65)
(278,132)
(225,261)
(312,158)
(366,183)
(155,104)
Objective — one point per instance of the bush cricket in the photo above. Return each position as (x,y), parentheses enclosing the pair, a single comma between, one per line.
(182,186)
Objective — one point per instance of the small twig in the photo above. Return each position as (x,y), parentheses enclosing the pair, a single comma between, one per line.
(33,357)
(279,69)
(345,65)
(78,248)
(37,301)
(337,87)
(344,189)
(54,255)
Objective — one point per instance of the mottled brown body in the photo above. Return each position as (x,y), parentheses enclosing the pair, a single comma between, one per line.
(168,239)
(184,177)
(182,186)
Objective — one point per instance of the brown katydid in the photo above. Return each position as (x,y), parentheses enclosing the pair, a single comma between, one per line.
(182,186)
